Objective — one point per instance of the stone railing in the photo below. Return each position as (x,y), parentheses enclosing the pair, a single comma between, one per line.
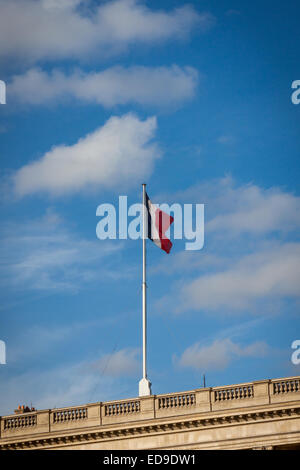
(69,414)
(234,393)
(203,400)
(176,401)
(23,421)
(122,408)
(286,386)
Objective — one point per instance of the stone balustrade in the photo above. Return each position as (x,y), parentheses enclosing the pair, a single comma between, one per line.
(69,414)
(234,393)
(23,421)
(177,400)
(286,386)
(264,392)
(122,408)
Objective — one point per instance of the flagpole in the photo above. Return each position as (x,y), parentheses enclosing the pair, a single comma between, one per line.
(144,289)
(144,384)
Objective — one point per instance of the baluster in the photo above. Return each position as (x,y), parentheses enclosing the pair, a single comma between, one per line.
(293,386)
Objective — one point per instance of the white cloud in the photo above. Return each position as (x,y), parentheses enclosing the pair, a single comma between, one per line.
(232,210)
(249,261)
(70,384)
(65,385)
(123,362)
(115,155)
(43,255)
(226,139)
(219,354)
(35,340)
(50,29)
(159,86)
(270,274)
(251,209)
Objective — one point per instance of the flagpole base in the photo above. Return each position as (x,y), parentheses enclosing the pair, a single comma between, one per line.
(144,387)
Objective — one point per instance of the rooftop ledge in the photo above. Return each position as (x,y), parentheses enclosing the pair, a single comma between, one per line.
(202,400)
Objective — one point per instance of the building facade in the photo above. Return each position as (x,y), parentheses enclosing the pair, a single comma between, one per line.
(256,415)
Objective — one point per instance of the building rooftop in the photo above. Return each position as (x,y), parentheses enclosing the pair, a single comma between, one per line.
(199,408)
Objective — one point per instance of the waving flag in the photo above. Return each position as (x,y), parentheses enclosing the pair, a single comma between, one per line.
(158,224)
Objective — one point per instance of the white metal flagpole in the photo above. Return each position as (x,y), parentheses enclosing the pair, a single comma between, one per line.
(144,384)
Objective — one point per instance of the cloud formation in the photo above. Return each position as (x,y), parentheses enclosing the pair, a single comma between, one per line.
(34,30)
(120,363)
(71,383)
(248,262)
(63,385)
(43,255)
(219,354)
(254,210)
(115,155)
(158,86)
(272,273)
(232,210)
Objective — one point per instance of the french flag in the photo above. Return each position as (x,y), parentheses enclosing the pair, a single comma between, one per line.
(158,224)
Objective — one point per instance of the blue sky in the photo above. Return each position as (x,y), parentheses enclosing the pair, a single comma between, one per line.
(195,99)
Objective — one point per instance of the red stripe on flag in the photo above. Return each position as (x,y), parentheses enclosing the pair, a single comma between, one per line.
(162,223)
